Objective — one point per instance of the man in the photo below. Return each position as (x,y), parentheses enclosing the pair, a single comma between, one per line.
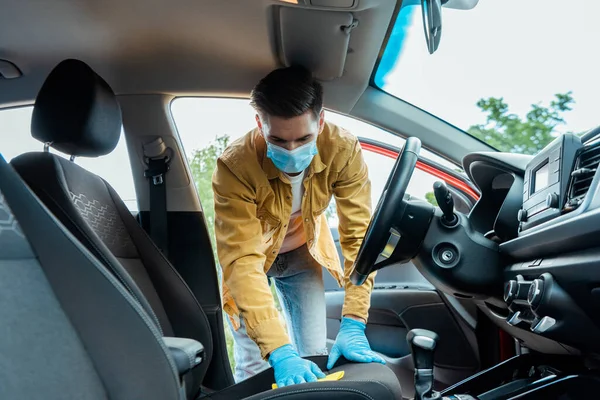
(271,190)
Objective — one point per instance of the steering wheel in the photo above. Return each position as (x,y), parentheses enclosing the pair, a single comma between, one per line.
(391,208)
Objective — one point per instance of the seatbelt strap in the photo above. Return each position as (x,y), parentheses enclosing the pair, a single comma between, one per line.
(157,181)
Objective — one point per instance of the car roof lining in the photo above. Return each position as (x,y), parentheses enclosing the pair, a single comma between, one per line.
(207,48)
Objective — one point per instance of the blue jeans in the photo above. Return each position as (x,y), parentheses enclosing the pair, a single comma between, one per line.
(298,282)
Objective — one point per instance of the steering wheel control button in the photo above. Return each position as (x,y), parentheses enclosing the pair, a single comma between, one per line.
(536,291)
(544,324)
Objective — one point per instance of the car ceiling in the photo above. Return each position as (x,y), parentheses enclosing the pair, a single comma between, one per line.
(217,48)
(183,47)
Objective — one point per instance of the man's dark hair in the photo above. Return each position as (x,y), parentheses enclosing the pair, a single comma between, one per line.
(287,92)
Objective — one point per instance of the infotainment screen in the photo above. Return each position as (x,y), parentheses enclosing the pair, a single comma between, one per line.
(540,179)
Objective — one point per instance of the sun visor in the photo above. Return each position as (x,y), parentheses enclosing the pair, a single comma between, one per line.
(315,39)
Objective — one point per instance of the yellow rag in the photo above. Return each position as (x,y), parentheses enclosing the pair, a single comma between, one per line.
(336,376)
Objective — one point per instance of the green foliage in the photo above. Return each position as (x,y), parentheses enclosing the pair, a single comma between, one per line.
(229,343)
(510,133)
(430,197)
(202,165)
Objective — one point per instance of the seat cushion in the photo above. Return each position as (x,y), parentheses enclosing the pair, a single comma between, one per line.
(361,381)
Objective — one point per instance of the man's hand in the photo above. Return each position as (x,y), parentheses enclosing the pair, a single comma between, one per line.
(291,369)
(352,343)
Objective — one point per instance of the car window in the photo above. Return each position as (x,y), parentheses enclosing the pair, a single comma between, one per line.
(115,168)
(365,130)
(207,125)
(421,183)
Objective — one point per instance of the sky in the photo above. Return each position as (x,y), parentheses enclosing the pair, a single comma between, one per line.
(522,50)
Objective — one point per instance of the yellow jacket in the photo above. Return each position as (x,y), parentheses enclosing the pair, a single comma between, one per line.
(253,207)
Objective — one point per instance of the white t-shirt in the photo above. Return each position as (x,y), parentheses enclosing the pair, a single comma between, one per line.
(295,237)
(297,191)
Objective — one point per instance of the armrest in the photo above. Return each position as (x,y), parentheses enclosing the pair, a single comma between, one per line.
(187,353)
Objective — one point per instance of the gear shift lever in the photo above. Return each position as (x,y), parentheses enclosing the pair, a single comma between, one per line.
(422,346)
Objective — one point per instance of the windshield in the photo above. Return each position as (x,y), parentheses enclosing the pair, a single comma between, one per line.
(512,73)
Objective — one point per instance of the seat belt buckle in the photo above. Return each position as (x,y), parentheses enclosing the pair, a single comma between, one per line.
(157,180)
(156,170)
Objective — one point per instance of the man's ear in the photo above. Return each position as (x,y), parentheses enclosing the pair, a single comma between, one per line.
(258,123)
(321,121)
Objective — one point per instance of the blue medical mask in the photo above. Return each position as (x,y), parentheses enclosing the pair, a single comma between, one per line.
(292,161)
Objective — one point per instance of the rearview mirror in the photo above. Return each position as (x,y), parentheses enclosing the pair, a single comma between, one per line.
(460,4)
(432,23)
(432,18)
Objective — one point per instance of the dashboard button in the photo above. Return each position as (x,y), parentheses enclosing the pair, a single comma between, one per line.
(516,290)
(544,324)
(552,200)
(522,215)
(510,291)
(514,319)
(536,291)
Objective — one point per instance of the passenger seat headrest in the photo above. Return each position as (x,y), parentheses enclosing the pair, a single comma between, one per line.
(76,112)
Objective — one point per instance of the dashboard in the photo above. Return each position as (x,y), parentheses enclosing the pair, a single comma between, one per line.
(543,212)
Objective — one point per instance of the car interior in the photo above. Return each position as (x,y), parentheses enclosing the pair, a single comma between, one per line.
(486,292)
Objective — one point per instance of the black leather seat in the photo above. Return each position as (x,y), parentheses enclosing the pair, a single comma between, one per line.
(77,113)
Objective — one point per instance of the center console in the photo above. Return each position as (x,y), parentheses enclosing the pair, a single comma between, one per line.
(526,376)
(551,287)
(539,217)
(529,377)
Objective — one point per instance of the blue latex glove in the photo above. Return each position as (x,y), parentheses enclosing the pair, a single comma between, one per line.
(352,343)
(291,369)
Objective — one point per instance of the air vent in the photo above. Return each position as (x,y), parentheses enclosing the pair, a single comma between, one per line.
(586,165)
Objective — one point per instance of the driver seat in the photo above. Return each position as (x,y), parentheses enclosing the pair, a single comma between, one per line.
(77,113)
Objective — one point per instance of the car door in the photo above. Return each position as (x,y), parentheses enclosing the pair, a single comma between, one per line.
(402,298)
